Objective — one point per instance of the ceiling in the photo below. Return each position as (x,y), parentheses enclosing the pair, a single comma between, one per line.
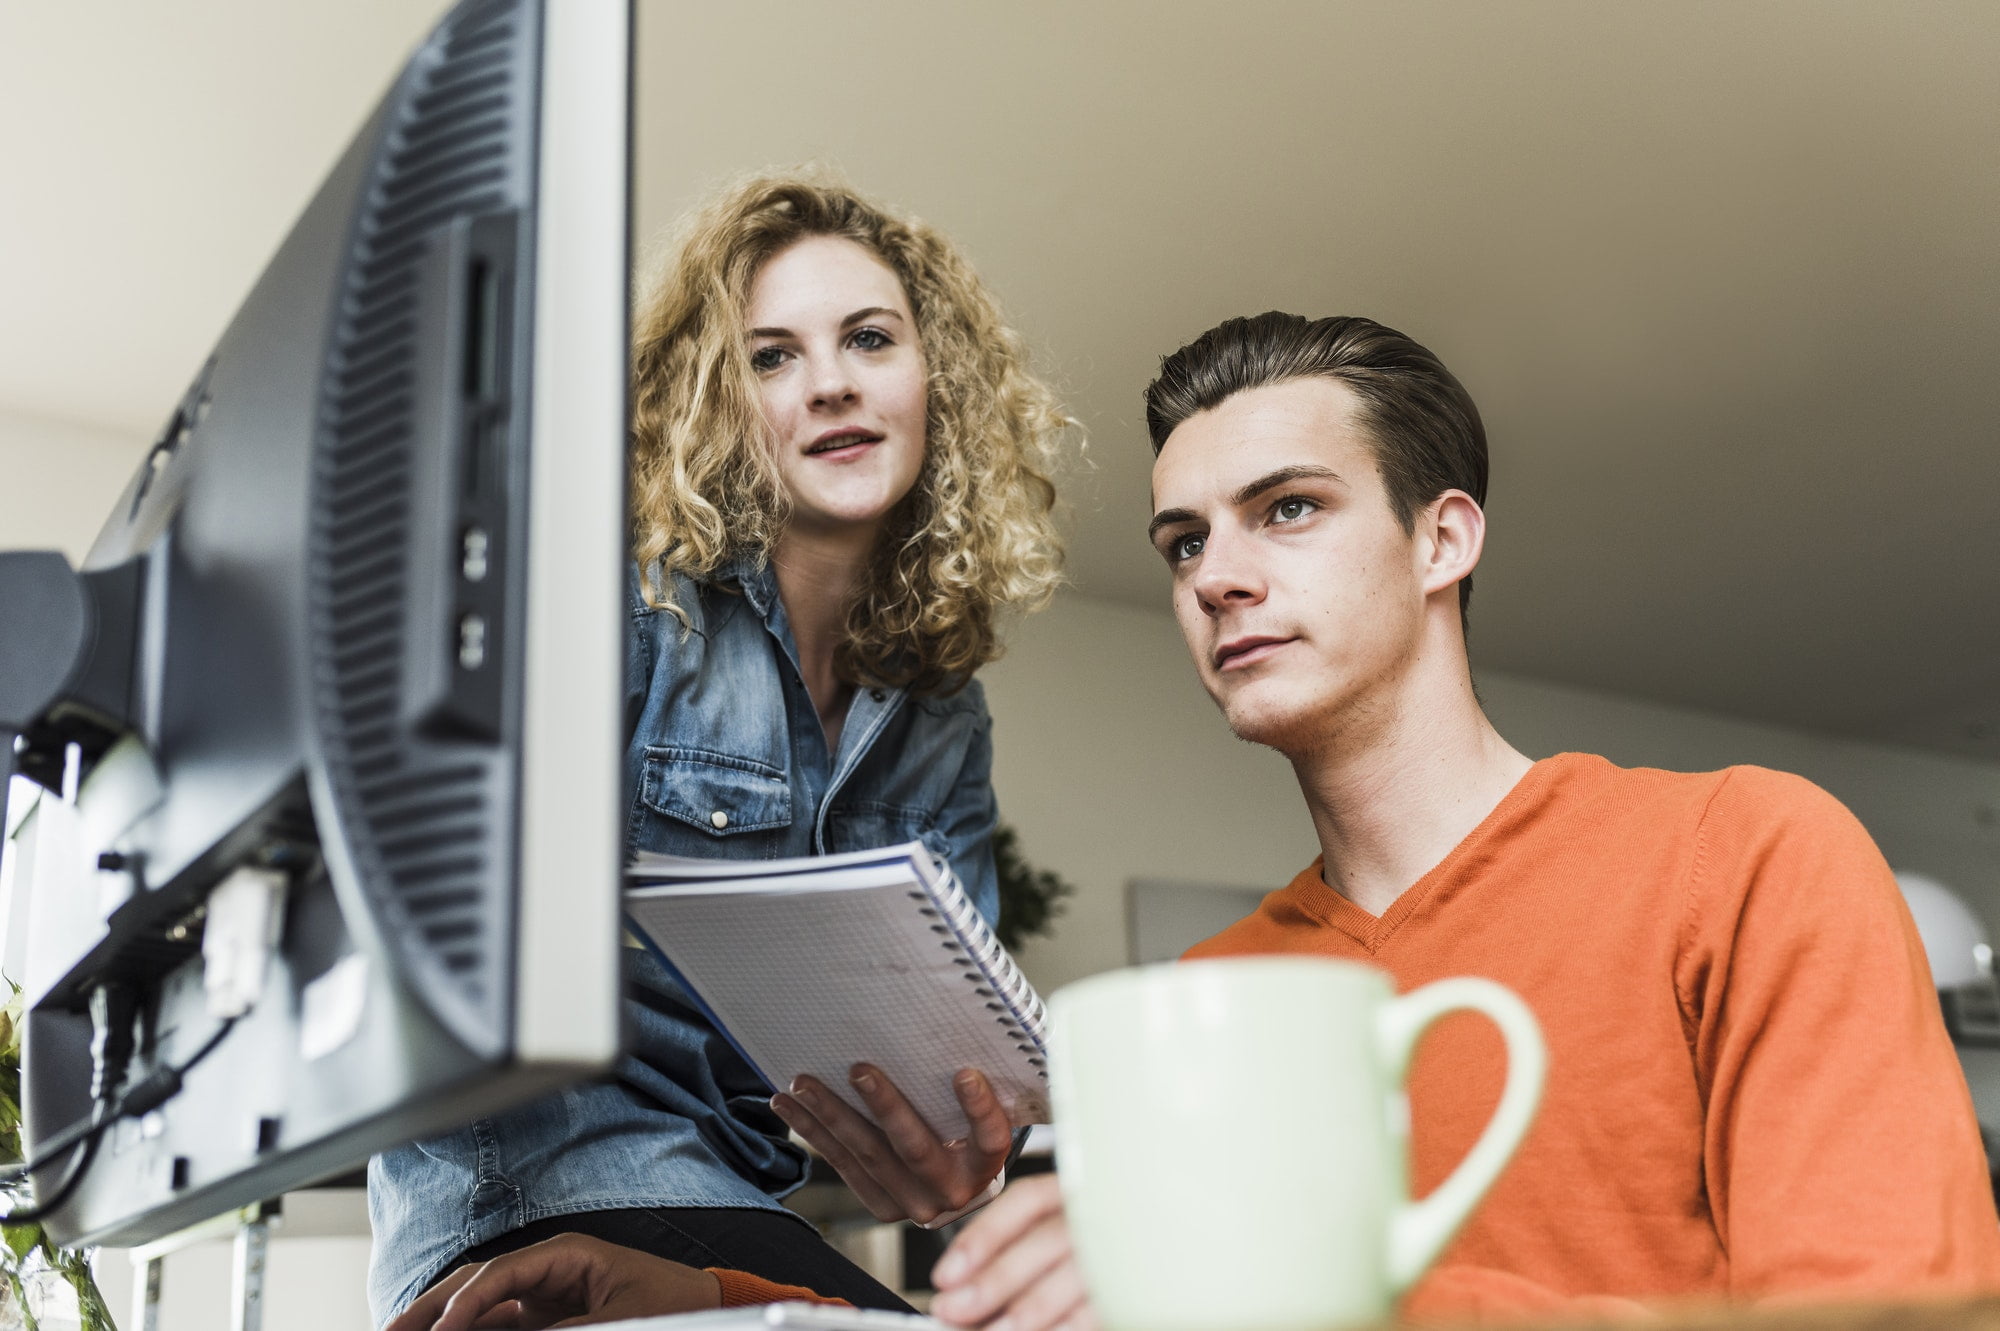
(1723,277)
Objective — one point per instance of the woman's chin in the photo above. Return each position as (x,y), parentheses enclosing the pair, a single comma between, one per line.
(864,507)
(842,521)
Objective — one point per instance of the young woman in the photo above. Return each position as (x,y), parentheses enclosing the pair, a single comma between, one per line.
(841,483)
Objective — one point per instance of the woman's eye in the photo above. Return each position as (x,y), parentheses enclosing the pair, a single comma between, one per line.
(765,359)
(1292,509)
(1186,547)
(870,339)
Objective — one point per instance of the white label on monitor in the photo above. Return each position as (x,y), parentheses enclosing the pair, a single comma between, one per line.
(330,1010)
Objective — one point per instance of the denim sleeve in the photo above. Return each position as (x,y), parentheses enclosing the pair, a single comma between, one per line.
(969,815)
(641,626)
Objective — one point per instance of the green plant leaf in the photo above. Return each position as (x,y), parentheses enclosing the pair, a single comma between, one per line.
(10,1077)
(1030,899)
(75,1267)
(22,1239)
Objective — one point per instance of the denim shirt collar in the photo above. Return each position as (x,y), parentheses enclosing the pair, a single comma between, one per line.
(870,708)
(758,582)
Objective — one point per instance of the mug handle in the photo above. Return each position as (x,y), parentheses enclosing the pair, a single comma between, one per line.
(1418,1231)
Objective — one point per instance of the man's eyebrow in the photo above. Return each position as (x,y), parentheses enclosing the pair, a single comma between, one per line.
(1167,517)
(1271,480)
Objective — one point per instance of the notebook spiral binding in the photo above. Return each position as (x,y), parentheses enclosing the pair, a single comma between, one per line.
(988,967)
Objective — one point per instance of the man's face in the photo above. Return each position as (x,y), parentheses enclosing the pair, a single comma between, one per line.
(1299,594)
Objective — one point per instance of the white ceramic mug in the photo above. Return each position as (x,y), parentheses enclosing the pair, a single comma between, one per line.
(1233,1139)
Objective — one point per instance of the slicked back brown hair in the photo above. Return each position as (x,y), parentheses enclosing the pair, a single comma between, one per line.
(1426,433)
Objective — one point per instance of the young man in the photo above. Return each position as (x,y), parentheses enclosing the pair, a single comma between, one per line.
(1750,1091)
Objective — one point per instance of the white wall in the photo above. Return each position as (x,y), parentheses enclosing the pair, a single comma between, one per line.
(1113,765)
(313,1273)
(58,481)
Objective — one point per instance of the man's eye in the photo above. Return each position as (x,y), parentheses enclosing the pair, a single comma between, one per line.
(1291,509)
(1186,547)
(765,359)
(870,339)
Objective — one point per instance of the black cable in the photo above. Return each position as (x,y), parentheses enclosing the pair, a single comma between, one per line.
(72,1177)
(114,1011)
(54,1149)
(148,1094)
(162,1084)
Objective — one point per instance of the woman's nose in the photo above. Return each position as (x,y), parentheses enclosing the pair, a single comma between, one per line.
(831,382)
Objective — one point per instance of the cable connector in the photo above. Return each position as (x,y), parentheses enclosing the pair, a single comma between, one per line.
(246,912)
(150,1092)
(114,1007)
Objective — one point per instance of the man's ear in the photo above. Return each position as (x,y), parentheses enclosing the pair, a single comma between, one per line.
(1453,532)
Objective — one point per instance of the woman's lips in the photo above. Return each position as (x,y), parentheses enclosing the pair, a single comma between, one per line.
(843,452)
(839,445)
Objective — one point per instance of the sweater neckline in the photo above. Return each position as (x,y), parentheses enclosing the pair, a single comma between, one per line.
(1324,903)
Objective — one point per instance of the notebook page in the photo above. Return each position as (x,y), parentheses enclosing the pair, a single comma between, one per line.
(813,981)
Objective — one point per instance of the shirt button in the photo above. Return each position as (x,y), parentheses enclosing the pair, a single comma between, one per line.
(719,820)
(877,694)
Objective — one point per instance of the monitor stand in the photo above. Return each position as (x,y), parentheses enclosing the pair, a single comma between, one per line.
(251,1227)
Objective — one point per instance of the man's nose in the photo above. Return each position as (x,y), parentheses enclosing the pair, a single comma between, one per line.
(1228,577)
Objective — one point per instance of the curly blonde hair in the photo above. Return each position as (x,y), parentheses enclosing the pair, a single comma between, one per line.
(975,536)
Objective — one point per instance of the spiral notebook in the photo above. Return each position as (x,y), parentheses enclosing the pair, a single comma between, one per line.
(812,965)
(802,1316)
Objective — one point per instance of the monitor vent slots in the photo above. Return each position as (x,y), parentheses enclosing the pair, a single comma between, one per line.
(428,816)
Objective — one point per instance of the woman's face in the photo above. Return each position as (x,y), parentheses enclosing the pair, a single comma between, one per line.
(834,346)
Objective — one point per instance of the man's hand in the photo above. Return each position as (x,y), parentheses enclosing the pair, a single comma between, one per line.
(897,1165)
(1015,1261)
(569,1280)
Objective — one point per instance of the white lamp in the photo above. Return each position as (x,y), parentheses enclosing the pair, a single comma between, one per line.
(1954,938)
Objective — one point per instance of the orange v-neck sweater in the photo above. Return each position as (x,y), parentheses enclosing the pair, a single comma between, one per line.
(1750,1089)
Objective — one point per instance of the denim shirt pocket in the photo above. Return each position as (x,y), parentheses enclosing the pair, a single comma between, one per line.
(716,794)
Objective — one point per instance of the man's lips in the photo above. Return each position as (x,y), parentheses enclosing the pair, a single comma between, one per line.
(1246,651)
(842,441)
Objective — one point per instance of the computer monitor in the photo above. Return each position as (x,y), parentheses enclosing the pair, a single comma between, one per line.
(328,724)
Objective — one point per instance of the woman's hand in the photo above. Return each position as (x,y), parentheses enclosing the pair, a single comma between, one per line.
(569,1280)
(897,1165)
(1015,1261)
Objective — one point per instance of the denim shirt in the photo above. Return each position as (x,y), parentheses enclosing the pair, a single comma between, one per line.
(726,759)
